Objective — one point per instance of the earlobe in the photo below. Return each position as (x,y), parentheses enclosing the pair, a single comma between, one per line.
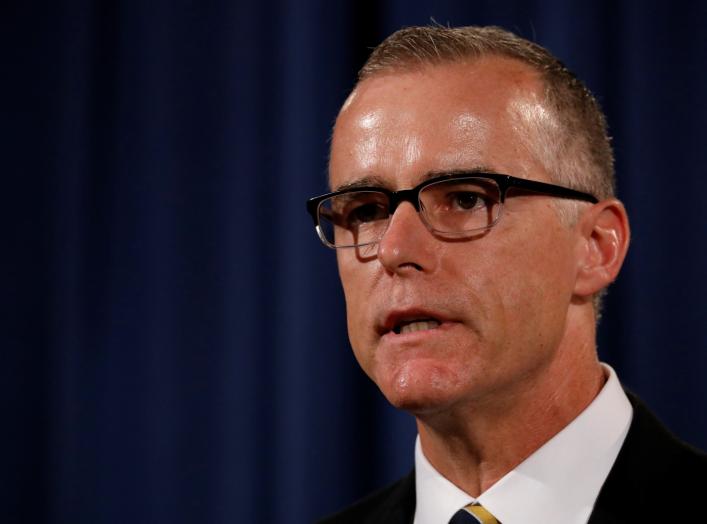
(605,237)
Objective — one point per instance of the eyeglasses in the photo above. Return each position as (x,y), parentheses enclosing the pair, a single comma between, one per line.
(452,206)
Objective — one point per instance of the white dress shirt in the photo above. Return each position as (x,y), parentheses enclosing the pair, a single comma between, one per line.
(558,484)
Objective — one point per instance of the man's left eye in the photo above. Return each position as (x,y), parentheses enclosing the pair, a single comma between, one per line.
(467,200)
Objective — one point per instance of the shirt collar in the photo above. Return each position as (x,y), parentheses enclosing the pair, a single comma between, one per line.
(558,483)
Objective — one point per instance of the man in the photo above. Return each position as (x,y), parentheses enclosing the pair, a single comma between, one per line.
(476,227)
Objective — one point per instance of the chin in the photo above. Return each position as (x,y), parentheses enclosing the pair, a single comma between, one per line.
(420,389)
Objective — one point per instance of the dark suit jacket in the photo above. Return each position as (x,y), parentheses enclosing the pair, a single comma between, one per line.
(653,470)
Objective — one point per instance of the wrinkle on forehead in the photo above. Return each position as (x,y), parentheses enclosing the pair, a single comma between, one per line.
(377,132)
(532,111)
(367,151)
(468,123)
(411,151)
(370,121)
(537,128)
(366,146)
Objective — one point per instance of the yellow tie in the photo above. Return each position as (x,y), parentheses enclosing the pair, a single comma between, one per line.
(474,513)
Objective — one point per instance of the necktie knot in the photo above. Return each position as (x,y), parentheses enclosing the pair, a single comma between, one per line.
(473,514)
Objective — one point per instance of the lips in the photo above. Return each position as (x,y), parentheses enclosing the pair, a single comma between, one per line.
(410,321)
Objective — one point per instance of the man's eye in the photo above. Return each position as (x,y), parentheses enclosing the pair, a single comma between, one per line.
(466,200)
(364,213)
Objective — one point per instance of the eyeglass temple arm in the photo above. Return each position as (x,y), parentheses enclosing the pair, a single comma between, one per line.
(549,189)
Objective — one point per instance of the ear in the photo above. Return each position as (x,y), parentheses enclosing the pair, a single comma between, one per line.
(604,242)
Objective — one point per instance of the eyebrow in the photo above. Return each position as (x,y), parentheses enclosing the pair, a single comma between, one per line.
(378,181)
(366,181)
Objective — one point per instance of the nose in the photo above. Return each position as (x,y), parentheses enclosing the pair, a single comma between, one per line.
(407,244)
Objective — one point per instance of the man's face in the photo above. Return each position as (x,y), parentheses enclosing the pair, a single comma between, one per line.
(498,302)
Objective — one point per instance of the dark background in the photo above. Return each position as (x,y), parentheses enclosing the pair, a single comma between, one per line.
(173,334)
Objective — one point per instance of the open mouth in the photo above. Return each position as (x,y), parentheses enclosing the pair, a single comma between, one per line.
(410,326)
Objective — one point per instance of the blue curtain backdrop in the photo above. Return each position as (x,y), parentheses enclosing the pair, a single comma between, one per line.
(173,334)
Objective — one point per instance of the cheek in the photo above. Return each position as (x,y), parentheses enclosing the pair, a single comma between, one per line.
(353,280)
(534,282)
(509,283)
(480,277)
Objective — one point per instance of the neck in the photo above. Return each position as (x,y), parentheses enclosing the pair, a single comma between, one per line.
(475,444)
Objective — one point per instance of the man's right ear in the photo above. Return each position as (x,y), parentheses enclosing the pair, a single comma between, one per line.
(605,236)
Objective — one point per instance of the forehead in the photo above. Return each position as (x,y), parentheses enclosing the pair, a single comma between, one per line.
(432,118)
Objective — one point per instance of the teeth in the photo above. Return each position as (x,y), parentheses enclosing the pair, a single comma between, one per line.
(419,325)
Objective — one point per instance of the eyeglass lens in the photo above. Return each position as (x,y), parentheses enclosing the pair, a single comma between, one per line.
(449,207)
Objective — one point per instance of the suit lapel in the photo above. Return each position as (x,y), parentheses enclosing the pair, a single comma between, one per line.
(651,466)
(399,508)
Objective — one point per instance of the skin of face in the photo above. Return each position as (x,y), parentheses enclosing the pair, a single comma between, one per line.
(502,298)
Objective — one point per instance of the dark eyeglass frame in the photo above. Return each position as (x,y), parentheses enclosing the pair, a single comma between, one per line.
(412,195)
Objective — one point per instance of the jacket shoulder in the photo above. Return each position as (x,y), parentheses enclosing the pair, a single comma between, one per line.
(653,465)
(394,504)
